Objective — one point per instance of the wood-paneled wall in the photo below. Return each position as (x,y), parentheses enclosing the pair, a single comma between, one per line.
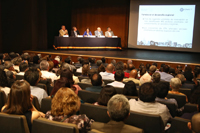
(104,13)
(136,62)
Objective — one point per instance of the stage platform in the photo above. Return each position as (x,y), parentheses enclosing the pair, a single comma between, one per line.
(134,54)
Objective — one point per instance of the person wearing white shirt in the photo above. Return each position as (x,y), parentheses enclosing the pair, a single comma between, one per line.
(109,33)
(44,66)
(32,77)
(119,75)
(108,74)
(146,103)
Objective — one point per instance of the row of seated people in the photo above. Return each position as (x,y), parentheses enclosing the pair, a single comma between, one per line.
(44,66)
(66,103)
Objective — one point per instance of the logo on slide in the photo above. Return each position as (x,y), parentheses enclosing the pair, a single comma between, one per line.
(181,9)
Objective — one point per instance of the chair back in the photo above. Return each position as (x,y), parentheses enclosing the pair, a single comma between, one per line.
(107,81)
(132,97)
(10,123)
(19,77)
(88,96)
(35,102)
(81,77)
(148,122)
(43,86)
(186,91)
(95,112)
(77,74)
(2,99)
(46,105)
(181,99)
(179,125)
(119,90)
(189,86)
(84,85)
(190,108)
(171,106)
(47,82)
(42,125)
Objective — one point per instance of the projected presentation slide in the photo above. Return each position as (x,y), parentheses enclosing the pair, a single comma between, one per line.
(166,25)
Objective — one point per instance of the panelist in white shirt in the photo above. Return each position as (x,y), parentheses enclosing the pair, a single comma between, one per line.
(109,33)
(98,32)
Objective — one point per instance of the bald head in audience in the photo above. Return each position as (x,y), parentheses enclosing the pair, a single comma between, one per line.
(110,68)
(133,74)
(194,124)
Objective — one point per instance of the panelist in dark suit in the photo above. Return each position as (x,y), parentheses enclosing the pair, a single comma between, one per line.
(98,32)
(74,32)
(87,33)
(118,110)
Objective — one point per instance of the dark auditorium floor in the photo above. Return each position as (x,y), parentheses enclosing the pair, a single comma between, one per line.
(172,56)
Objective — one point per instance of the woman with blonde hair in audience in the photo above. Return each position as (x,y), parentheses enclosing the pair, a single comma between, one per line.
(65,105)
(20,102)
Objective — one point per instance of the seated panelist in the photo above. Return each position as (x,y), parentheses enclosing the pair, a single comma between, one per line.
(74,32)
(87,33)
(109,33)
(63,31)
(98,32)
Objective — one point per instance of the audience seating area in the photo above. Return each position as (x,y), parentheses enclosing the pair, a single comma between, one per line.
(149,123)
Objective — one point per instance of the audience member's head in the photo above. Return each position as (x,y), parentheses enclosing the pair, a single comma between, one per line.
(68,60)
(125,66)
(17,60)
(172,71)
(103,60)
(106,93)
(65,66)
(96,80)
(113,62)
(99,62)
(91,72)
(85,61)
(145,78)
(147,92)
(162,89)
(36,59)
(181,77)
(92,61)
(166,68)
(188,75)
(65,102)
(110,68)
(188,69)
(51,65)
(130,89)
(119,66)
(155,64)
(119,75)
(62,82)
(143,70)
(101,68)
(152,69)
(44,65)
(32,76)
(19,99)
(118,108)
(175,84)
(23,66)
(69,75)
(148,66)
(129,61)
(194,124)
(162,65)
(130,67)
(12,55)
(9,65)
(133,74)
(85,70)
(156,77)
(3,78)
